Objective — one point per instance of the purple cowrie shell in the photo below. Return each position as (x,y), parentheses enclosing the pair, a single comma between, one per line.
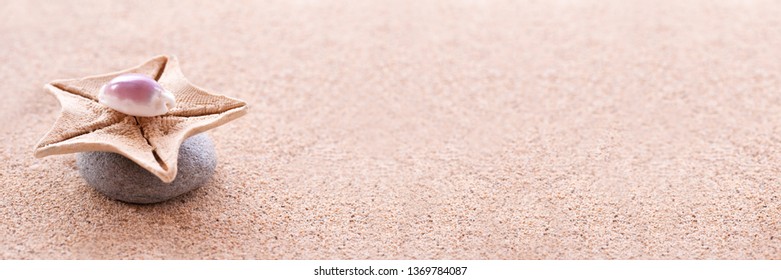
(136,95)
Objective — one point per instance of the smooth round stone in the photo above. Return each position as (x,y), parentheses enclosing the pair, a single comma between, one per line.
(136,95)
(120,178)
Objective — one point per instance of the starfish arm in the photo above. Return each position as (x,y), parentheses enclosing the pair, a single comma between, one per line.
(166,133)
(79,116)
(112,138)
(192,101)
(88,87)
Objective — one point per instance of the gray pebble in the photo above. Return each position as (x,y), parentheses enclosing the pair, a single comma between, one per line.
(119,178)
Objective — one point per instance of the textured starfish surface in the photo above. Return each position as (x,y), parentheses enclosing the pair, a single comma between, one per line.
(151,142)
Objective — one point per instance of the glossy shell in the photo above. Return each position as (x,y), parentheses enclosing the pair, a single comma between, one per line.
(136,95)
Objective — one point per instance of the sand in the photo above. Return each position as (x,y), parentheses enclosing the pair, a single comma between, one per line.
(419,129)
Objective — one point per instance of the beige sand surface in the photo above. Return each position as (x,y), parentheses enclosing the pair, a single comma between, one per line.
(420,129)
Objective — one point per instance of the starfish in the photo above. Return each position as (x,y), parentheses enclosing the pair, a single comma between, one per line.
(151,142)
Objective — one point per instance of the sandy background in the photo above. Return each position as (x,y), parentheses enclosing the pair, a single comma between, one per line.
(420,129)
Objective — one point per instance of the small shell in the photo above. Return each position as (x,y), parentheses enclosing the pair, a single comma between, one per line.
(136,95)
